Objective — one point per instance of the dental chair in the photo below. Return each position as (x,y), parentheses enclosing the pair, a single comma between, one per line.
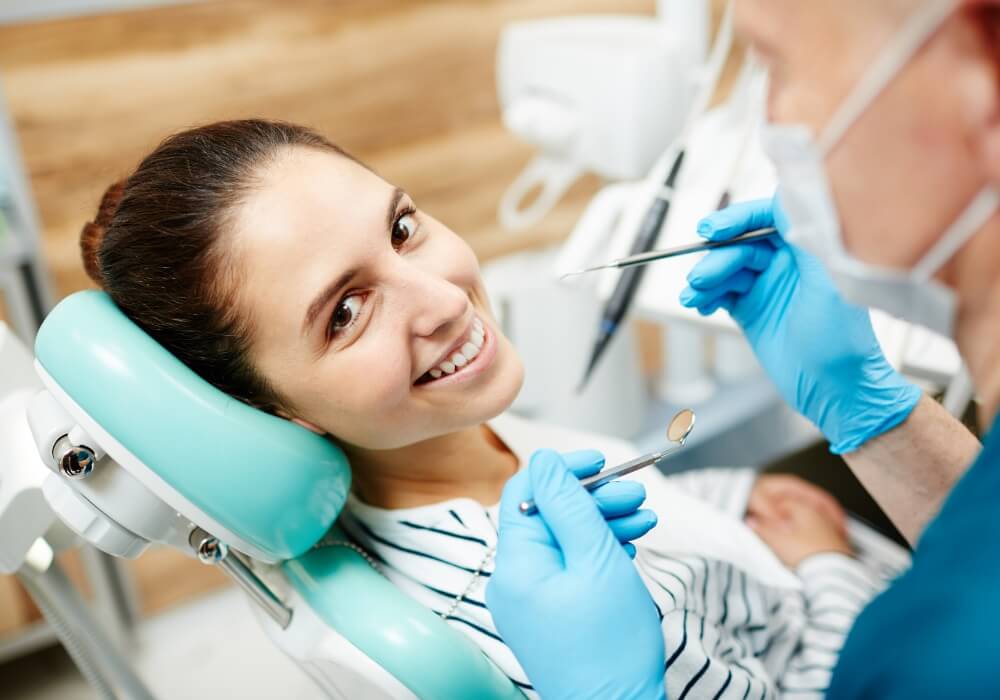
(142,450)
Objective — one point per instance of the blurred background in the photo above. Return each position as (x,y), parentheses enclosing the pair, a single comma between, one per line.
(89,87)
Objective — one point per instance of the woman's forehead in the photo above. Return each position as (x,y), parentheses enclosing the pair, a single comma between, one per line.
(306,188)
(311,215)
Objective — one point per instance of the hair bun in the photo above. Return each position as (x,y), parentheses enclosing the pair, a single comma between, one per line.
(93,231)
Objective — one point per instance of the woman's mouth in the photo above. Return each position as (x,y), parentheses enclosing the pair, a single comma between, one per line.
(474,352)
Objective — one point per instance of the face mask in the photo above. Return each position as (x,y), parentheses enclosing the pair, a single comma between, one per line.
(814,226)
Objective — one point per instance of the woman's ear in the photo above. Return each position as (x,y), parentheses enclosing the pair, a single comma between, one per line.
(282,413)
(309,426)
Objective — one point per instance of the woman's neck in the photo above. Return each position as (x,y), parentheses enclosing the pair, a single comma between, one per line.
(472,463)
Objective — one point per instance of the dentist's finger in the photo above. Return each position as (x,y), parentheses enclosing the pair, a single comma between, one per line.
(584,463)
(738,283)
(736,219)
(618,498)
(721,264)
(633,526)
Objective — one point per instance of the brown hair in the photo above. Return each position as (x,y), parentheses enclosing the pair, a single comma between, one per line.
(154,245)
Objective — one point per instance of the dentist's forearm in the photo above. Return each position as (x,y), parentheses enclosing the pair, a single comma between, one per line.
(911,469)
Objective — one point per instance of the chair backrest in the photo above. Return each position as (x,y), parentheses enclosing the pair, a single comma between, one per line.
(257,482)
(403,637)
(266,481)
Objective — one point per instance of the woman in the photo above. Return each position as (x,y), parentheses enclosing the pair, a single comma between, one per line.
(294,278)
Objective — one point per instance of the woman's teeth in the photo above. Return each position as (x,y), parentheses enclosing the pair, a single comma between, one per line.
(465,354)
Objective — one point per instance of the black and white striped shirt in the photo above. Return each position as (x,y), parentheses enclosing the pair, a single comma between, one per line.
(736,624)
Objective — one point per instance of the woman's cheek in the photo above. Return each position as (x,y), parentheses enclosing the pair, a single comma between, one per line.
(359,386)
(379,380)
(452,253)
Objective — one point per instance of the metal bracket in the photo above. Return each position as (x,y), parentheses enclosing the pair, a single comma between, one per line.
(211,551)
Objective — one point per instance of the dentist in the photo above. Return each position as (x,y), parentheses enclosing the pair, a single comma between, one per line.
(885,132)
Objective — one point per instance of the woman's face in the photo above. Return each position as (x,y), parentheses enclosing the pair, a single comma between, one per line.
(366,312)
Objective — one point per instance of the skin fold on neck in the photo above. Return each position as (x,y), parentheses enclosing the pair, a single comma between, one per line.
(471,463)
(977,329)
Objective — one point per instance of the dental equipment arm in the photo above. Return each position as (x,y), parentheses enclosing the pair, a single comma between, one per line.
(29,528)
(566,598)
(825,360)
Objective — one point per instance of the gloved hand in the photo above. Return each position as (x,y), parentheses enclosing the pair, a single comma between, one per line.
(618,501)
(819,350)
(565,597)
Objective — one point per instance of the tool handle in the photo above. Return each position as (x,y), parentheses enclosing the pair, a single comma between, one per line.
(654,255)
(602,477)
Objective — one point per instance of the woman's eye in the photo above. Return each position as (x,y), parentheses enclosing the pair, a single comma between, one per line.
(345,314)
(404,227)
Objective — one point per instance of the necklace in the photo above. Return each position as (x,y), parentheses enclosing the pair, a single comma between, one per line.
(372,563)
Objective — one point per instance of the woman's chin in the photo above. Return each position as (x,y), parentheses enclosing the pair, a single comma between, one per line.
(478,404)
(506,385)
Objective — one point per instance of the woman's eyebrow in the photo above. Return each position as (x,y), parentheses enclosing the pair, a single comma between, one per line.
(331,290)
(390,215)
(323,298)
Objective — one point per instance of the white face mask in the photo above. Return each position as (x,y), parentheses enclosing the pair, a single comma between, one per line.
(814,225)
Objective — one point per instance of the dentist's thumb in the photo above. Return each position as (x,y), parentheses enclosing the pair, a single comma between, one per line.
(567,508)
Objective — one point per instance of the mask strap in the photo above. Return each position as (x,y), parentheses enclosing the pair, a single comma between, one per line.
(917,29)
(712,70)
(968,223)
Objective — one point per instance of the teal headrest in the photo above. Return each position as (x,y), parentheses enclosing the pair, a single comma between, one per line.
(272,483)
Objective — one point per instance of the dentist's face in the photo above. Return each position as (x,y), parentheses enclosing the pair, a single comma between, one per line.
(917,156)
(369,317)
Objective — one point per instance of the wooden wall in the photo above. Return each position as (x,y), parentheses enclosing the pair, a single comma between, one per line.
(407,86)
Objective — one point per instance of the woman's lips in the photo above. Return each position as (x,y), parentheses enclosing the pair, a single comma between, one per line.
(482,357)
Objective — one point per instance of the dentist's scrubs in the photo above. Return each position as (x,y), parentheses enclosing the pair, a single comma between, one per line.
(570,605)
(934,633)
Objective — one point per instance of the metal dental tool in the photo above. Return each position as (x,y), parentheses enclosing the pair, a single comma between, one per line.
(680,427)
(654,255)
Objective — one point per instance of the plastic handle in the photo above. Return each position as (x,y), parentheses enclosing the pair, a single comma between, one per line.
(552,175)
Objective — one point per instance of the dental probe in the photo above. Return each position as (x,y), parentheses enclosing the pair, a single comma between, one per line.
(678,430)
(602,477)
(654,255)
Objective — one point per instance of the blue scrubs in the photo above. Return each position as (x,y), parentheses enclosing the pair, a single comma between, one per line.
(935,633)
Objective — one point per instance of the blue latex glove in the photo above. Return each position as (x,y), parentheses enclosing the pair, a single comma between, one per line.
(565,597)
(618,501)
(819,350)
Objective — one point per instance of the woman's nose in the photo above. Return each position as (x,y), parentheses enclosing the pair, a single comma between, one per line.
(434,301)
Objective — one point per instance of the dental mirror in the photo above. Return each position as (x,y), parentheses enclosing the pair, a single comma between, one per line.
(678,429)
(681,426)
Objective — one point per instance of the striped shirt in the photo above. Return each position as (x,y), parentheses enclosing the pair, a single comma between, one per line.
(736,623)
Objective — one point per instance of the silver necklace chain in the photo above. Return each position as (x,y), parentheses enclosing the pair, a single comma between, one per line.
(372,563)
(472,582)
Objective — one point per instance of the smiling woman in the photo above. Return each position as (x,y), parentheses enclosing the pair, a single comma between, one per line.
(297,280)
